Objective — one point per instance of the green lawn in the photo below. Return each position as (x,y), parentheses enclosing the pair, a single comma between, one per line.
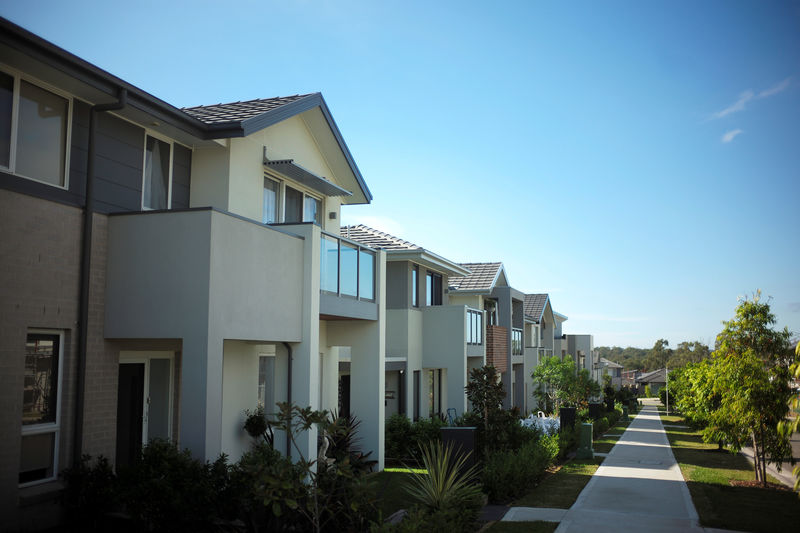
(708,473)
(560,490)
(523,527)
(390,492)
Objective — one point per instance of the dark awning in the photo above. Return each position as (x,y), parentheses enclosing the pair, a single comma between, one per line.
(291,170)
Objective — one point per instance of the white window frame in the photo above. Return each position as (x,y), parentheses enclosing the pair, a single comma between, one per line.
(19,76)
(280,216)
(171,143)
(278,199)
(49,427)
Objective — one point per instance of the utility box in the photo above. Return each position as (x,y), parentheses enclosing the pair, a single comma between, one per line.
(462,440)
(585,450)
(567,416)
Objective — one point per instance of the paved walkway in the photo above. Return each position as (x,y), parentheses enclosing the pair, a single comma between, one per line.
(638,486)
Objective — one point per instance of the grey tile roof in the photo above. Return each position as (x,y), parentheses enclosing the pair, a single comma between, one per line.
(239,111)
(534,304)
(481,279)
(656,376)
(375,238)
(610,364)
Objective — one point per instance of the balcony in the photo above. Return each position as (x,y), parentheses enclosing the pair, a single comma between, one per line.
(517,352)
(451,334)
(347,279)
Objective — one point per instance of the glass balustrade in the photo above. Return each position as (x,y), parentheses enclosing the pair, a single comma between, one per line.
(346,268)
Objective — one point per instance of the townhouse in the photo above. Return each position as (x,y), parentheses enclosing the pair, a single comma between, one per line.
(432,342)
(165,269)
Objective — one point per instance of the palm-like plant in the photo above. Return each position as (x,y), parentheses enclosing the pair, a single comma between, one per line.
(449,485)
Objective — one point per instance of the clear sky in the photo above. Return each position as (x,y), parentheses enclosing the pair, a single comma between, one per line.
(639,161)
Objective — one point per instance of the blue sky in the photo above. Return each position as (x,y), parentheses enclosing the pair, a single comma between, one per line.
(639,161)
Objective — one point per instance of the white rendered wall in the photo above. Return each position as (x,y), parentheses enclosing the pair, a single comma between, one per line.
(239,392)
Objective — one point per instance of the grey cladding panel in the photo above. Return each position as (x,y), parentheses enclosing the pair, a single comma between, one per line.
(181,176)
(397,285)
(119,148)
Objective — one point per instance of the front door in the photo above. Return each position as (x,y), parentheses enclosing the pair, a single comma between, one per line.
(143,402)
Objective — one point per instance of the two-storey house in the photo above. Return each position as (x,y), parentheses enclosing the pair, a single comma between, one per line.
(431,342)
(165,269)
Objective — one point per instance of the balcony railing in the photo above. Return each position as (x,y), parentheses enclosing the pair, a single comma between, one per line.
(516,341)
(474,325)
(346,268)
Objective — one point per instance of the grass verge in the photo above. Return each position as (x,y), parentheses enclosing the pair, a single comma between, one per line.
(561,489)
(708,473)
(390,491)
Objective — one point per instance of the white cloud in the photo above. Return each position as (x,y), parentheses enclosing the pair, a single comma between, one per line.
(739,105)
(729,136)
(747,96)
(779,88)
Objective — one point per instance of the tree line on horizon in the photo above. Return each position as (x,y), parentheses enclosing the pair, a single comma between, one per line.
(659,356)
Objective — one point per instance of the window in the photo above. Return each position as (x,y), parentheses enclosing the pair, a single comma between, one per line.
(312,210)
(41,407)
(433,289)
(434,392)
(474,327)
(516,342)
(271,192)
(415,286)
(157,174)
(293,206)
(266,378)
(34,132)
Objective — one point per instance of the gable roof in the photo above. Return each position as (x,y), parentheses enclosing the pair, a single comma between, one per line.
(219,121)
(534,305)
(376,239)
(656,376)
(240,119)
(482,277)
(401,250)
(610,364)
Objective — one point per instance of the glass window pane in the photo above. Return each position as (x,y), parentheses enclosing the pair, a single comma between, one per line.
(312,210)
(40,391)
(366,275)
(6,104)
(156,174)
(349,274)
(270,212)
(329,264)
(415,287)
(36,457)
(41,134)
(294,205)
(429,289)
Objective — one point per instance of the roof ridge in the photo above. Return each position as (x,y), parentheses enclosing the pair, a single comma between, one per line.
(254,100)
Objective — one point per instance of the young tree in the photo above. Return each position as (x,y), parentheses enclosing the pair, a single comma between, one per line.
(751,371)
(554,379)
(485,392)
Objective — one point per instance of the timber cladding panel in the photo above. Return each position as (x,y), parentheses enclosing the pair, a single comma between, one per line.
(497,347)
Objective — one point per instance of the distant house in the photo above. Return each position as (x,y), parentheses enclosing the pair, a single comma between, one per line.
(609,368)
(655,379)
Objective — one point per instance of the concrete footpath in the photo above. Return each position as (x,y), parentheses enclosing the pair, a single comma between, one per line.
(639,485)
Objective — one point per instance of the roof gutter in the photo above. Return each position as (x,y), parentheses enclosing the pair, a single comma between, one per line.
(86,267)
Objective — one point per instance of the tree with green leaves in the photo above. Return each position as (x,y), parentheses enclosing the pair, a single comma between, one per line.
(787,427)
(658,355)
(688,352)
(557,383)
(751,379)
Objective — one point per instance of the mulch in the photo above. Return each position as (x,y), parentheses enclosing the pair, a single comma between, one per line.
(758,485)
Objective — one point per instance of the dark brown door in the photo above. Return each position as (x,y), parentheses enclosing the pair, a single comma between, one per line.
(130,414)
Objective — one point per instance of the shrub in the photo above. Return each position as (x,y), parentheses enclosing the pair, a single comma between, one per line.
(447,494)
(567,441)
(89,493)
(398,437)
(508,474)
(168,490)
